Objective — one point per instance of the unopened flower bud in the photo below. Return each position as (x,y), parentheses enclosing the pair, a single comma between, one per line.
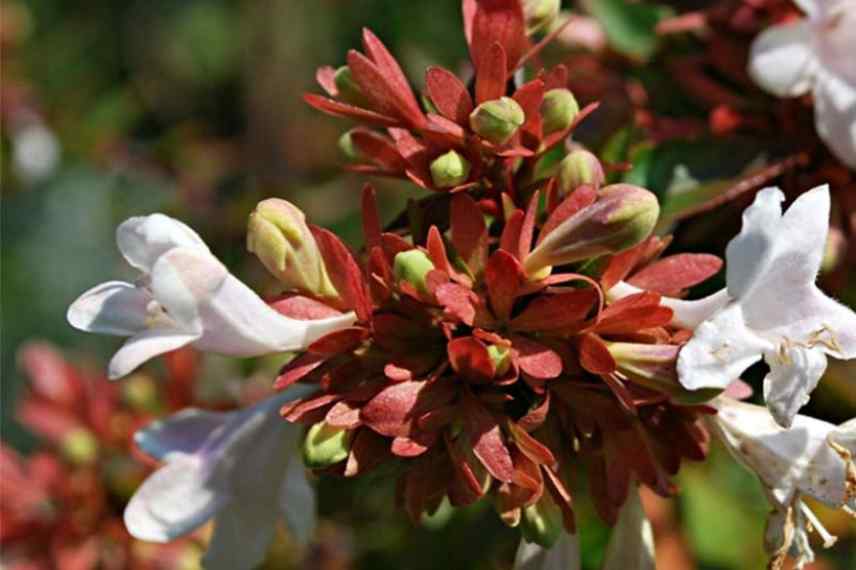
(497,120)
(542,522)
(577,168)
(141,393)
(346,145)
(278,235)
(450,170)
(622,216)
(349,91)
(540,13)
(501,358)
(325,445)
(558,110)
(412,266)
(654,366)
(80,446)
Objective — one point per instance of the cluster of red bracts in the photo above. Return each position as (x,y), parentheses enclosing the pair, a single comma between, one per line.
(402,139)
(482,381)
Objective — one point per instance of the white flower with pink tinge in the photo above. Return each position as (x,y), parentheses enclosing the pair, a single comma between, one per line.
(185,296)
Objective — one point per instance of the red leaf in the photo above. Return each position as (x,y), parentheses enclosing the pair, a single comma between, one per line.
(443,132)
(556,78)
(51,377)
(337,342)
(553,312)
(528,228)
(303,308)
(449,95)
(344,272)
(394,77)
(530,96)
(469,358)
(633,313)
(47,420)
(486,439)
(594,356)
(371,219)
(469,232)
(535,359)
(341,109)
(510,239)
(491,74)
(406,447)
(307,409)
(676,273)
(343,415)
(531,447)
(437,251)
(458,301)
(504,276)
(393,411)
(326,78)
(368,450)
(578,199)
(379,149)
(297,369)
(502,22)
(535,417)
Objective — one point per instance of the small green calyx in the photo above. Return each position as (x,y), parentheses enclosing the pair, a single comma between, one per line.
(558,110)
(277,233)
(412,266)
(579,167)
(346,145)
(349,91)
(80,446)
(501,358)
(540,13)
(450,170)
(325,445)
(541,523)
(497,120)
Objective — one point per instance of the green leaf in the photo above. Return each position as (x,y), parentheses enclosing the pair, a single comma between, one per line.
(630,27)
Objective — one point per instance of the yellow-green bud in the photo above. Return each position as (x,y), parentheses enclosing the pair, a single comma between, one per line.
(497,120)
(501,357)
(558,110)
(541,523)
(325,445)
(141,393)
(622,216)
(412,266)
(278,235)
(450,170)
(653,366)
(346,145)
(349,91)
(80,447)
(540,13)
(577,168)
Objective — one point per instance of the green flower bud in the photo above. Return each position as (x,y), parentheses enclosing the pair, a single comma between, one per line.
(80,446)
(349,91)
(450,170)
(412,266)
(558,110)
(346,145)
(141,393)
(540,13)
(654,366)
(278,235)
(622,216)
(541,523)
(501,357)
(497,120)
(577,168)
(325,445)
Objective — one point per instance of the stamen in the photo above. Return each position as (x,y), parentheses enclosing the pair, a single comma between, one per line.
(814,523)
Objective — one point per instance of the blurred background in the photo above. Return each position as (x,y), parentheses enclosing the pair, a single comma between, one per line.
(193,108)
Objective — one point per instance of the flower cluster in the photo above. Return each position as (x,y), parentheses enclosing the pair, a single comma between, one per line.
(517,332)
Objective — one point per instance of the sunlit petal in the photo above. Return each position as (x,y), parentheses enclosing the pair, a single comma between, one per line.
(114,307)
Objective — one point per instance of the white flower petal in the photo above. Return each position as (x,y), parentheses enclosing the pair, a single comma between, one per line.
(143,239)
(172,502)
(297,502)
(781,59)
(835,113)
(183,433)
(182,280)
(114,307)
(809,7)
(564,555)
(687,314)
(632,542)
(239,323)
(145,346)
(794,373)
(789,462)
(242,533)
(719,351)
